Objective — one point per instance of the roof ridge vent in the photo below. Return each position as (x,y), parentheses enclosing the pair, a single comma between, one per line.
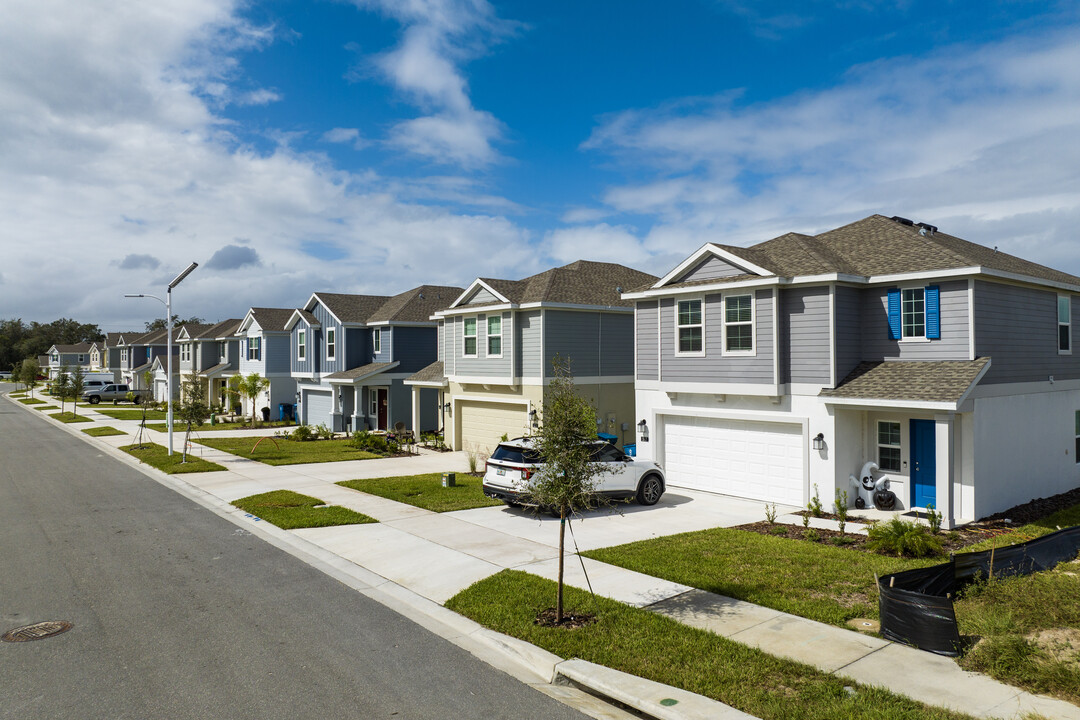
(902,220)
(927,229)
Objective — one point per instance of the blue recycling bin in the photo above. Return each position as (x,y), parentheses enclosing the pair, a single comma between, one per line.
(608,437)
(630,449)
(286,411)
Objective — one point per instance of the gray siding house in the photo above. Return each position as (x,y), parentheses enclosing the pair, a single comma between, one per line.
(768,371)
(70,357)
(212,353)
(497,341)
(263,348)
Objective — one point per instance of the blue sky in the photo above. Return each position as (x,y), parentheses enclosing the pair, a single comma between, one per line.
(374,145)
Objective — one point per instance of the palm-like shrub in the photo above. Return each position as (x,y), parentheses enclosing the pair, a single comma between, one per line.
(903,539)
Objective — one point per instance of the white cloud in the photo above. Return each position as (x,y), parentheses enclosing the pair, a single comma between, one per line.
(346,136)
(261,96)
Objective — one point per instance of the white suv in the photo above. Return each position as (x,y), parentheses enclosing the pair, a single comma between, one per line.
(509,468)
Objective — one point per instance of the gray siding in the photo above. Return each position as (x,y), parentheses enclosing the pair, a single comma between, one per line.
(616,344)
(648,351)
(448,346)
(529,346)
(310,363)
(481,365)
(357,346)
(953,344)
(386,345)
(848,330)
(327,321)
(574,336)
(414,348)
(714,366)
(276,355)
(711,268)
(440,333)
(804,327)
(483,297)
(1017,327)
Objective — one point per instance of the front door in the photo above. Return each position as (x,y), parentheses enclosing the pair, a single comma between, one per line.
(923,464)
(381,408)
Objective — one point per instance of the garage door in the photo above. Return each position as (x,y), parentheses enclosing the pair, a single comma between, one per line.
(317,407)
(484,424)
(756,460)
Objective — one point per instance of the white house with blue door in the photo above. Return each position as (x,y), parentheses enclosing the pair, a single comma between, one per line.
(766,371)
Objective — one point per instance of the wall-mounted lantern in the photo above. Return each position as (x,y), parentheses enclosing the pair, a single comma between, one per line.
(534,420)
(643,431)
(819,441)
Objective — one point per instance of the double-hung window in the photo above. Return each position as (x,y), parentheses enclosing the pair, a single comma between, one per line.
(690,327)
(254,347)
(738,324)
(1064,325)
(331,343)
(123,355)
(915,313)
(376,340)
(185,353)
(494,335)
(888,442)
(469,337)
(301,345)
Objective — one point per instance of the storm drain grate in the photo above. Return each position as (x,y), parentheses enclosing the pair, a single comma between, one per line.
(37,631)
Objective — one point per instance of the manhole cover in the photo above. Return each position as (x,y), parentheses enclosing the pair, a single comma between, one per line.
(37,631)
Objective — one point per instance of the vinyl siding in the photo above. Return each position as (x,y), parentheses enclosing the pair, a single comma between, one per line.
(714,366)
(648,352)
(953,345)
(848,330)
(616,344)
(528,326)
(575,336)
(276,356)
(414,348)
(712,268)
(450,327)
(1017,327)
(804,327)
(481,365)
(311,342)
(386,345)
(357,347)
(440,334)
(483,297)
(327,321)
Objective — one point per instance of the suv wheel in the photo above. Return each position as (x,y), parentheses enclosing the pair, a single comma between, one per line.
(650,490)
(94,399)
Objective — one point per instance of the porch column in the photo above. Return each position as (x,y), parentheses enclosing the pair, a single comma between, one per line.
(357,407)
(945,451)
(416,411)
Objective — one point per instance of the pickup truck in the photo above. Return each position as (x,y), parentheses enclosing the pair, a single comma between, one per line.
(116,393)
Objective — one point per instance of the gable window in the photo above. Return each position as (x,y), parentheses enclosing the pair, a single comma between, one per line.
(494,335)
(301,345)
(739,323)
(469,336)
(376,340)
(331,343)
(185,353)
(254,348)
(690,327)
(123,355)
(1064,325)
(889,445)
(914,313)
(223,351)
(56,357)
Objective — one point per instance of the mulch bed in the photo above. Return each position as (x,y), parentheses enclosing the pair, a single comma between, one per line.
(570,621)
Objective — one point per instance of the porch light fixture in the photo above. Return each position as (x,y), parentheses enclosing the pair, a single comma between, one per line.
(446,407)
(819,441)
(643,431)
(533,419)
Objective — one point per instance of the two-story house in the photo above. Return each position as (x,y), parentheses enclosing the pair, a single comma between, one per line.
(110,353)
(768,371)
(499,337)
(137,355)
(264,349)
(70,357)
(352,353)
(212,353)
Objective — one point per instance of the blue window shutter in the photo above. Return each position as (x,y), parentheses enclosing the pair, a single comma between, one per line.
(933,313)
(894,314)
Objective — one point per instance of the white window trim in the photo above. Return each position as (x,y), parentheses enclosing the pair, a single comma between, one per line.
(376,341)
(331,345)
(476,335)
(1068,299)
(301,345)
(373,403)
(124,355)
(254,344)
(878,445)
(752,352)
(678,327)
(915,338)
(488,335)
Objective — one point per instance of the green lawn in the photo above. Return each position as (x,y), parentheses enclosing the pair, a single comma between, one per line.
(103,431)
(157,456)
(1062,519)
(426,491)
(69,417)
(281,451)
(290,510)
(30,401)
(660,649)
(130,413)
(45,408)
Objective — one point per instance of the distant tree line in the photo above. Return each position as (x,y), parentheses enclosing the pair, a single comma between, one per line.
(19,340)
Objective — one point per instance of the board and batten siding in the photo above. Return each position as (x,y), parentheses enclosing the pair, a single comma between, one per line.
(1017,327)
(482,365)
(648,352)
(714,365)
(276,354)
(953,345)
(310,363)
(804,335)
(847,304)
(527,326)
(712,268)
(327,321)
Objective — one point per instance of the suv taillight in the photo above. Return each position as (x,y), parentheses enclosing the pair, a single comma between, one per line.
(527,473)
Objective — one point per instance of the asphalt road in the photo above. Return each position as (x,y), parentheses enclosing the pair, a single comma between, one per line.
(178,613)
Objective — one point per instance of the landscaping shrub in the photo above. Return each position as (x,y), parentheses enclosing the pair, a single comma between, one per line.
(302,433)
(324,432)
(363,440)
(903,539)
(770,513)
(814,506)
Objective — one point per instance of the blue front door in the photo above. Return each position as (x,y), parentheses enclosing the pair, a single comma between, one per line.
(923,464)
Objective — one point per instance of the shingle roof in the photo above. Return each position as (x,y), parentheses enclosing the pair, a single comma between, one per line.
(272,319)
(433,373)
(580,283)
(914,381)
(214,370)
(351,308)
(362,371)
(194,330)
(308,317)
(415,305)
(80,348)
(225,328)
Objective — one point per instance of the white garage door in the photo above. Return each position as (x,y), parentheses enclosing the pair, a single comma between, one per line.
(483,424)
(317,407)
(756,460)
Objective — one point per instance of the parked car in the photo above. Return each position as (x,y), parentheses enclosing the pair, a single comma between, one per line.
(514,462)
(5,375)
(116,393)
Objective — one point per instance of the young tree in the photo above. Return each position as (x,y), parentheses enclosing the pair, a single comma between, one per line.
(193,410)
(29,374)
(76,384)
(250,387)
(146,401)
(566,440)
(61,386)
(16,375)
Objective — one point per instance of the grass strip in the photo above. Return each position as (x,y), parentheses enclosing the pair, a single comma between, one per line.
(282,451)
(290,510)
(70,417)
(426,491)
(660,649)
(104,431)
(131,413)
(157,456)
(45,408)
(1067,517)
(30,401)
(821,582)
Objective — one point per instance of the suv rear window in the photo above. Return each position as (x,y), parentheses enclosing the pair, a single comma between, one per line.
(516,455)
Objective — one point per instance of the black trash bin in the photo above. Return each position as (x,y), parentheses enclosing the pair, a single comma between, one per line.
(266,414)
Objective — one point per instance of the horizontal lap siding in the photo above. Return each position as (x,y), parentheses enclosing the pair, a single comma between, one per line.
(276,354)
(1017,328)
(481,365)
(616,344)
(414,348)
(529,328)
(483,297)
(848,330)
(712,269)
(648,352)
(806,316)
(953,345)
(715,366)
(357,347)
(574,336)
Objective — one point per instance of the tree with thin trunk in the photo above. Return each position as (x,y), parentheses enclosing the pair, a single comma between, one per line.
(146,400)
(566,440)
(76,384)
(29,374)
(250,387)
(61,386)
(193,410)
(16,375)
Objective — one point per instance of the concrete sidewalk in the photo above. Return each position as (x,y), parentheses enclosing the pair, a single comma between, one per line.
(438,555)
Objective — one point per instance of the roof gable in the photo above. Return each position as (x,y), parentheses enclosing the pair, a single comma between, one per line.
(347,309)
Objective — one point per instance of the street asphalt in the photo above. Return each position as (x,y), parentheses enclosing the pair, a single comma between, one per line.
(178,613)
